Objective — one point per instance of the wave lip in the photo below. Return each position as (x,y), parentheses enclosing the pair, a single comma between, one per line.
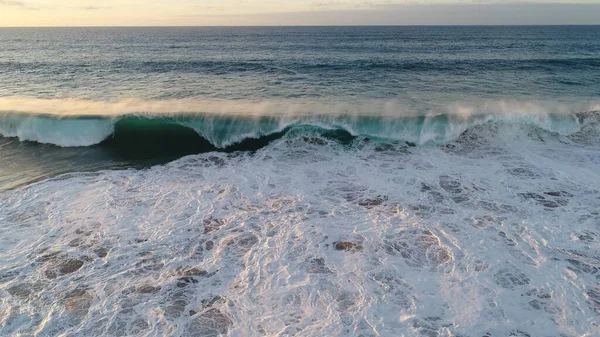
(65,132)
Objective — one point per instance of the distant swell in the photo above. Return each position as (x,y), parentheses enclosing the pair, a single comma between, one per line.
(260,66)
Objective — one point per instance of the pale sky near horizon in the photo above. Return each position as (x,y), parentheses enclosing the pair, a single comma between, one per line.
(294,12)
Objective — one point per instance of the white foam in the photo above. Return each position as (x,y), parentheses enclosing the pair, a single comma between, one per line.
(492,236)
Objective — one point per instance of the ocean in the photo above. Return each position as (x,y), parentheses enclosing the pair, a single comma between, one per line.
(300,181)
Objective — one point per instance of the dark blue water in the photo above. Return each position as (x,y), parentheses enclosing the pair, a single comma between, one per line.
(411,64)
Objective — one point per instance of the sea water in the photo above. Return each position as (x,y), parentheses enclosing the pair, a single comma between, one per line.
(315,181)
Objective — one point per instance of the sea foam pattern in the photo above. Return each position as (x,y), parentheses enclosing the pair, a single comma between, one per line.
(484,236)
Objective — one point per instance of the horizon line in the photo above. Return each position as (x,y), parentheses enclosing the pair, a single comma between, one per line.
(325,25)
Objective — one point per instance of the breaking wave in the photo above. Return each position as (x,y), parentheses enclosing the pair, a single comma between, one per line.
(199,126)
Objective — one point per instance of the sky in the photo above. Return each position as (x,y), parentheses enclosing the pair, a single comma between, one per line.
(295,12)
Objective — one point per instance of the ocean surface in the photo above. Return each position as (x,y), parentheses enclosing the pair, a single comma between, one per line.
(314,181)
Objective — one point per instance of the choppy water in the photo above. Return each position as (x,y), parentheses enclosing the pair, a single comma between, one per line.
(373,181)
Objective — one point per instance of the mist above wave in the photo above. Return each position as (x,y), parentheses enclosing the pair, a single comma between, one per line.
(170,107)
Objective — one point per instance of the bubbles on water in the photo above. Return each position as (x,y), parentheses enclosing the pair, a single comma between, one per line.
(510,278)
(237,245)
(419,248)
(210,323)
(78,302)
(393,289)
(62,266)
(318,266)
(348,246)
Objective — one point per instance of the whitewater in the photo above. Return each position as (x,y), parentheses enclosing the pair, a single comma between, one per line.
(308,237)
(341,181)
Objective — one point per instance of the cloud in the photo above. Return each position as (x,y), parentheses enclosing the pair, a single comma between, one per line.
(365,4)
(93,8)
(414,14)
(328,3)
(18,4)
